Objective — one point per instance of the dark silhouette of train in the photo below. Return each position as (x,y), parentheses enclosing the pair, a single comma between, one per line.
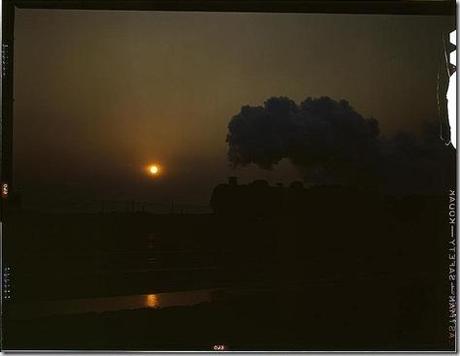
(260,199)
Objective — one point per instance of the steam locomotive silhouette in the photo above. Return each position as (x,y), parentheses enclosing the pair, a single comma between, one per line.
(260,199)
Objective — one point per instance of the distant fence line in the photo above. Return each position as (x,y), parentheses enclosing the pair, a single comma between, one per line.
(118,206)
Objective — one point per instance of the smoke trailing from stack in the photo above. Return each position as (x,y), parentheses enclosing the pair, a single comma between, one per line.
(331,143)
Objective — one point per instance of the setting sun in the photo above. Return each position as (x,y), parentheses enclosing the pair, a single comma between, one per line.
(153,169)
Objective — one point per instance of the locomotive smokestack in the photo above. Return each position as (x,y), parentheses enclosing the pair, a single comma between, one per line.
(233,181)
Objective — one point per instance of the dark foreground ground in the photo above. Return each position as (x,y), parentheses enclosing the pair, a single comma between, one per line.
(338,271)
(365,315)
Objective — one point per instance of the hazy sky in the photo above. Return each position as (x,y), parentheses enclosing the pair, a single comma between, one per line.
(100,94)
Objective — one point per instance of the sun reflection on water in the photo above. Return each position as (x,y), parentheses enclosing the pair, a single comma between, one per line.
(151,301)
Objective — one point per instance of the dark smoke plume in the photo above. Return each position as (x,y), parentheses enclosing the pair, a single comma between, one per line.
(330,142)
(326,139)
